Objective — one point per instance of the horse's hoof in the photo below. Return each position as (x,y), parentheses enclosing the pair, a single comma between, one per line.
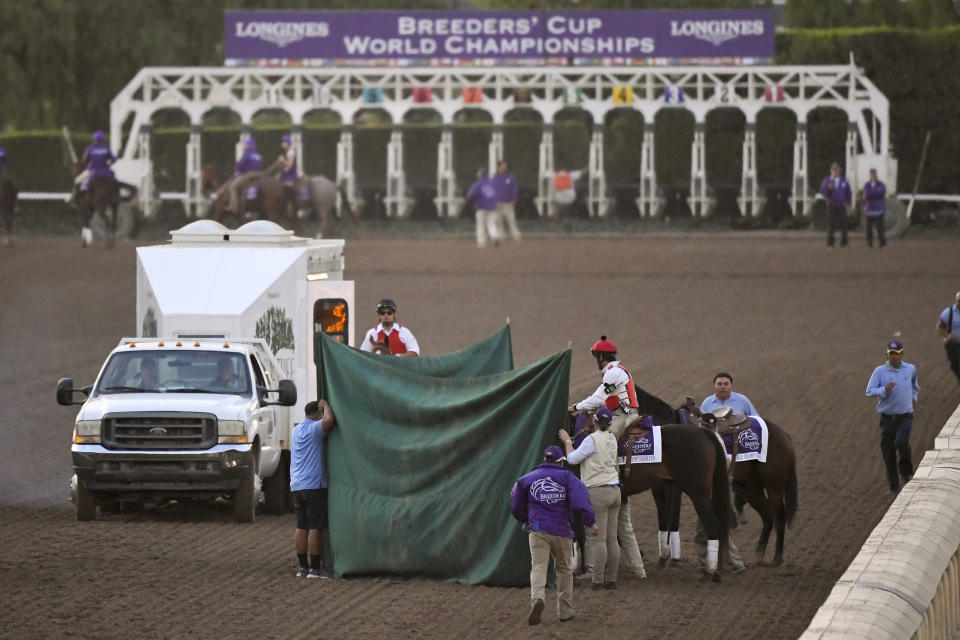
(777,561)
(716,576)
(673,562)
(662,562)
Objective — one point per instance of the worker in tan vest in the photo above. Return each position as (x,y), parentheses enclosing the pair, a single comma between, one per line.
(597,457)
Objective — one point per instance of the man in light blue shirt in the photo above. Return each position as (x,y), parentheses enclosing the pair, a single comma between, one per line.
(894,383)
(948,326)
(308,482)
(725,396)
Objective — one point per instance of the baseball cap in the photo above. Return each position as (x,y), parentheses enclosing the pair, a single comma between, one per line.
(604,415)
(553,453)
(895,346)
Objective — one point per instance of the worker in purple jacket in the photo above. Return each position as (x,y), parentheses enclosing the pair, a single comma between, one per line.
(875,206)
(3,161)
(97,159)
(836,191)
(544,501)
(483,193)
(506,185)
(288,158)
(247,170)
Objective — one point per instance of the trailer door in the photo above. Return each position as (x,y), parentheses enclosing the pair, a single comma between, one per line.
(331,312)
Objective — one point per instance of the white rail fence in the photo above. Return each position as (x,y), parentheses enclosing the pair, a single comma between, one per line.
(905,582)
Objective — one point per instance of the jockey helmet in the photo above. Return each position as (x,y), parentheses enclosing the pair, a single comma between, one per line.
(250,143)
(604,415)
(603,346)
(553,454)
(98,136)
(287,139)
(386,303)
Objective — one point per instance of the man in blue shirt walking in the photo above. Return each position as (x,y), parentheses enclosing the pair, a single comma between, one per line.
(308,482)
(544,501)
(894,383)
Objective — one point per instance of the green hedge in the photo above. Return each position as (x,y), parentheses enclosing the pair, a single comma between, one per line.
(915,69)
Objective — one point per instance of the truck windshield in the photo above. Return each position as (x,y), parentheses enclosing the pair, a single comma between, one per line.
(178,371)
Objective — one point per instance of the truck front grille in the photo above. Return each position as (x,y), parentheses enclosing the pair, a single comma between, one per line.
(159,431)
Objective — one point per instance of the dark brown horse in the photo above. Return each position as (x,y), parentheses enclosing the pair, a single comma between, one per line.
(102,196)
(769,487)
(8,204)
(693,463)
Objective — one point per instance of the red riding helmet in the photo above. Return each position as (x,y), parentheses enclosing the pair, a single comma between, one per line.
(603,346)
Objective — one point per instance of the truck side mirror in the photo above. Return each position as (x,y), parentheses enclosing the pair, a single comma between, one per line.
(65,392)
(287,393)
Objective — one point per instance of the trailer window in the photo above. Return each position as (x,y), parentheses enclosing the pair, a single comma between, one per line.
(331,316)
(257,372)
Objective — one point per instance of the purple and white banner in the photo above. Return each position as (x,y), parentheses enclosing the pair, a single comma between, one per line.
(514,37)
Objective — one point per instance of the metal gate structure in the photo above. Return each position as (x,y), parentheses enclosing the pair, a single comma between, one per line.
(499,90)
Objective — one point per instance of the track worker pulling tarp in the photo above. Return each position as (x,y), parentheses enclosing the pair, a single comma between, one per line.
(422,468)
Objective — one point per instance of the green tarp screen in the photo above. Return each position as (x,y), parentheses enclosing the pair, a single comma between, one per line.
(491,355)
(421,467)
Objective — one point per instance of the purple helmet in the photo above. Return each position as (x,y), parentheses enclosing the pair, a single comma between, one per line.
(287,139)
(250,143)
(98,136)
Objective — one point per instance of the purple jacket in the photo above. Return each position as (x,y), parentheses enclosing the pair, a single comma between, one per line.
(506,186)
(483,192)
(875,197)
(546,498)
(836,196)
(3,159)
(249,161)
(98,159)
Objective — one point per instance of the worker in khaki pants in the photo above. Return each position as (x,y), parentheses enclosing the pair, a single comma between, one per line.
(544,501)
(597,457)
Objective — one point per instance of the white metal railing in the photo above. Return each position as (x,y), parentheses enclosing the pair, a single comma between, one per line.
(905,582)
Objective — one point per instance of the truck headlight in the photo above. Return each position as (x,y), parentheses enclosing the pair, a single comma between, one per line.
(87,432)
(231,432)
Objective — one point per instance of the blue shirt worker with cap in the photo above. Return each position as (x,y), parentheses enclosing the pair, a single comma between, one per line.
(544,500)
(948,326)
(308,482)
(894,383)
(836,191)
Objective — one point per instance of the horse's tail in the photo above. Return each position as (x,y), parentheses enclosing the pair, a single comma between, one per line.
(790,496)
(720,491)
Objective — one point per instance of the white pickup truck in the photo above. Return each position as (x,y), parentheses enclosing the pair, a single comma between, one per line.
(196,406)
(174,419)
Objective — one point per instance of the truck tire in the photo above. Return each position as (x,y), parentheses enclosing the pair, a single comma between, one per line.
(86,503)
(277,488)
(245,500)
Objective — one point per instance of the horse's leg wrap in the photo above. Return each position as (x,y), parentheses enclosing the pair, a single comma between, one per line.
(663,539)
(675,545)
(713,552)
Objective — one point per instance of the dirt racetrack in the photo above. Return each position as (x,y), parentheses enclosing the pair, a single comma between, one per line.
(799,327)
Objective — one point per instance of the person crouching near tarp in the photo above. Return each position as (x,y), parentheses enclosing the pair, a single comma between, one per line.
(544,501)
